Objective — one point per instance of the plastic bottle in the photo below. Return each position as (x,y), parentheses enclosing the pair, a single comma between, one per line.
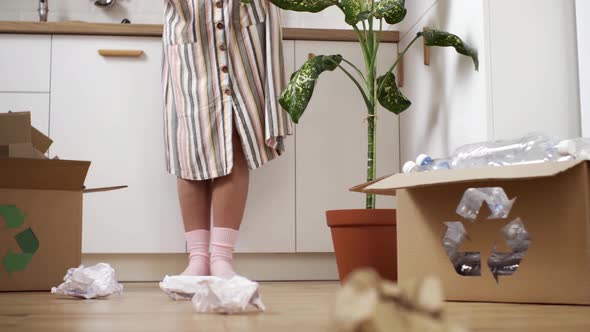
(410,167)
(426,163)
(578,148)
(532,148)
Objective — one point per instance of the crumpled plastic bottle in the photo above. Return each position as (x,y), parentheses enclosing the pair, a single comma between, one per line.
(495,197)
(531,148)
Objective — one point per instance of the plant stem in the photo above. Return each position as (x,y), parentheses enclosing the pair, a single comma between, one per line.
(371,42)
(399,58)
(371,154)
(358,85)
(354,80)
(363,43)
(370,60)
(357,70)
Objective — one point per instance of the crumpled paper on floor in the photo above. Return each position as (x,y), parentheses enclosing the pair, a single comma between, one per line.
(368,303)
(214,295)
(89,282)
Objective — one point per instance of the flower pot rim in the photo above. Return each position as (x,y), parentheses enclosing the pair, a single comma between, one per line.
(361,217)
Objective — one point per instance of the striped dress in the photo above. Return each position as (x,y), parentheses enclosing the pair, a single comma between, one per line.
(223,67)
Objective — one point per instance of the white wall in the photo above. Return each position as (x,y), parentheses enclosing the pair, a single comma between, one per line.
(528,78)
(449,97)
(534,67)
(583,34)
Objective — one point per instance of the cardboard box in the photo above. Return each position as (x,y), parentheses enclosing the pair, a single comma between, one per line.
(553,201)
(18,139)
(40,209)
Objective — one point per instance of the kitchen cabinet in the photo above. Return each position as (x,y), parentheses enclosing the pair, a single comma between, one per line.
(24,63)
(269,221)
(332,144)
(24,76)
(110,110)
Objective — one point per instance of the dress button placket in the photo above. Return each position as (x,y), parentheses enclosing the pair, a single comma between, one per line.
(222,56)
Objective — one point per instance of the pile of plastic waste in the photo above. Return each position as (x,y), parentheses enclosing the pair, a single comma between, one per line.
(530,149)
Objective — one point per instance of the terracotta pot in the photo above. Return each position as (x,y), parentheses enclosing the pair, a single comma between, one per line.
(364,238)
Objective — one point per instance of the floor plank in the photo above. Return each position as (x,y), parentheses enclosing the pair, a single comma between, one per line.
(302,306)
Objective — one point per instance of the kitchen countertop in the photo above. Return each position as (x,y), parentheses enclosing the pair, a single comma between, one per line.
(155,30)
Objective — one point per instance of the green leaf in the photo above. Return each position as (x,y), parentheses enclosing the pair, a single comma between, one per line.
(390,97)
(13,217)
(364,15)
(445,39)
(300,89)
(352,10)
(245,1)
(393,11)
(312,6)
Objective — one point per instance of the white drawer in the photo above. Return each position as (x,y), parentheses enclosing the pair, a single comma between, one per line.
(24,63)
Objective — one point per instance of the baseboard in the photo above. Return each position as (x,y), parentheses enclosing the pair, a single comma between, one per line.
(261,267)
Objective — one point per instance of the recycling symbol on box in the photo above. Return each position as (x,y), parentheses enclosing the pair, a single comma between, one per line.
(468,263)
(26,240)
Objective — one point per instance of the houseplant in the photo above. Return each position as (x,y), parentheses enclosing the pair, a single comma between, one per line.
(362,237)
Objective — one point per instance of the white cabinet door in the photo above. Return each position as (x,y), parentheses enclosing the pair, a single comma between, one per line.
(36,103)
(269,223)
(110,111)
(332,144)
(24,63)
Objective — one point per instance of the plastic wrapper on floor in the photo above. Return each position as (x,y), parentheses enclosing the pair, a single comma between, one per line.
(89,282)
(215,295)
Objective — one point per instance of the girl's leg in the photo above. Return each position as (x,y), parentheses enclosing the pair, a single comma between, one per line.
(195,206)
(229,194)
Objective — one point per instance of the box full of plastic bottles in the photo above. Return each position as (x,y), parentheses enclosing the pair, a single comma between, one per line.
(505,221)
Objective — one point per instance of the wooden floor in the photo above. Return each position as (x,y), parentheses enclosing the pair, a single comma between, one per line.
(291,307)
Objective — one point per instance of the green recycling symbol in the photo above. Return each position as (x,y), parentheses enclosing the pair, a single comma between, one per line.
(26,240)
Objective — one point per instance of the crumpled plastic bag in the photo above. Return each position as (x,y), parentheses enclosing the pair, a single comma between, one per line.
(89,282)
(214,295)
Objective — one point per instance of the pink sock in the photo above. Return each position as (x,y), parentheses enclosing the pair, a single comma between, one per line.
(223,242)
(197,242)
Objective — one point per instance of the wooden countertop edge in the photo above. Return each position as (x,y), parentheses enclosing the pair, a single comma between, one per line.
(155,30)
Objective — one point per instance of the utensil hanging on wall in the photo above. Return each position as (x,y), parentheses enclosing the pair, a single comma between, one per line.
(104,3)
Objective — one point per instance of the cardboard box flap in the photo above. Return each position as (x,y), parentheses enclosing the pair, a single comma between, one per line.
(399,181)
(361,187)
(46,174)
(15,128)
(103,189)
(40,141)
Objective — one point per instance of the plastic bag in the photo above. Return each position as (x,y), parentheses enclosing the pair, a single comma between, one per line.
(89,282)
(214,295)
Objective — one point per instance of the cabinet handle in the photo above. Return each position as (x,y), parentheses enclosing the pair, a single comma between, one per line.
(121,53)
